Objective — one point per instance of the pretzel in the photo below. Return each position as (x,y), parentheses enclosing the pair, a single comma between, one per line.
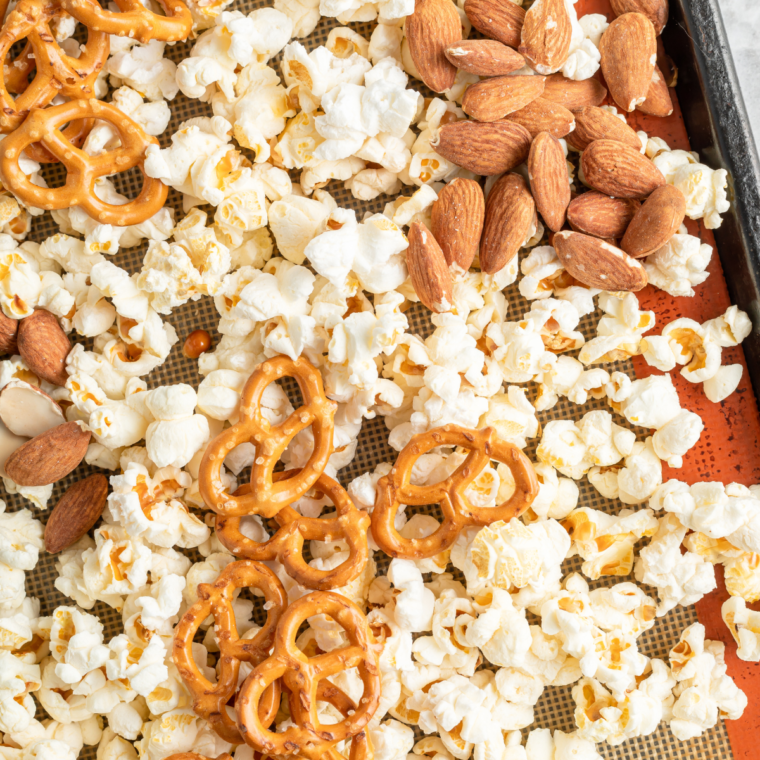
(302,675)
(286,545)
(210,700)
(267,497)
(194,756)
(43,126)
(395,489)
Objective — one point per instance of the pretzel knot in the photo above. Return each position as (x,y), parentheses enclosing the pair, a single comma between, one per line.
(210,700)
(286,545)
(267,497)
(43,126)
(395,489)
(302,675)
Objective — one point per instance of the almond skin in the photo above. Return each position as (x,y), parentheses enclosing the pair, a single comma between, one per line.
(544,116)
(485,58)
(592,123)
(598,264)
(655,222)
(499,20)
(618,170)
(8,332)
(601,216)
(492,99)
(629,51)
(75,513)
(484,148)
(457,222)
(510,212)
(545,38)
(658,102)
(44,346)
(574,95)
(48,457)
(655,10)
(430,29)
(428,269)
(549,180)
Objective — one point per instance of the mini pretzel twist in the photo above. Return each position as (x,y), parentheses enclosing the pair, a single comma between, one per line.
(209,699)
(286,545)
(43,126)
(267,497)
(395,489)
(302,675)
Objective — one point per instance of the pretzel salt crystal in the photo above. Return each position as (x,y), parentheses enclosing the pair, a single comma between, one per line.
(350,525)
(395,489)
(210,700)
(267,497)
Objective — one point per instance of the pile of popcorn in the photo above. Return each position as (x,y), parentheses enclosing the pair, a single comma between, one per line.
(293,273)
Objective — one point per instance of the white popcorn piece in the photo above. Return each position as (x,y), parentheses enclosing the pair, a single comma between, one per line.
(679,265)
(676,437)
(17,680)
(414,603)
(651,402)
(20,539)
(744,625)
(624,607)
(584,58)
(511,415)
(172,732)
(391,740)
(144,69)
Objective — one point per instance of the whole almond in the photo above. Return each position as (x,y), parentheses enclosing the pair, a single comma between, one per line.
(75,513)
(545,38)
(629,50)
(492,99)
(484,148)
(549,180)
(485,58)
(655,222)
(510,212)
(430,29)
(497,19)
(598,264)
(43,345)
(428,269)
(48,457)
(8,331)
(601,216)
(574,95)
(655,10)
(592,123)
(658,102)
(618,170)
(544,116)
(457,222)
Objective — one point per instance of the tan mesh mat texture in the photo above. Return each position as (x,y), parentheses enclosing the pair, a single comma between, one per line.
(555,708)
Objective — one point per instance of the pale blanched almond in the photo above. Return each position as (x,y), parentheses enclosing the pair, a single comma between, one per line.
(485,58)
(574,95)
(544,116)
(428,270)
(500,20)
(655,10)
(492,99)
(618,170)
(601,216)
(549,180)
(655,222)
(546,34)
(592,123)
(433,26)
(27,410)
(457,222)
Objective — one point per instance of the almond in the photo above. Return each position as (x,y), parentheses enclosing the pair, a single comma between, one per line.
(499,19)
(618,170)
(494,98)
(430,29)
(48,457)
(457,222)
(629,51)
(658,102)
(574,95)
(545,37)
(485,58)
(8,331)
(592,123)
(549,180)
(598,264)
(28,411)
(75,513)
(484,148)
(544,116)
(510,212)
(655,10)
(428,269)
(655,222)
(43,345)
(601,216)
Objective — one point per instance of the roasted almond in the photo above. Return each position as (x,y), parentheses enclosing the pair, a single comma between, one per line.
(457,222)
(655,222)
(601,216)
(492,99)
(629,52)
(574,95)
(658,102)
(618,170)
(43,345)
(510,212)
(655,10)
(549,180)
(433,26)
(8,331)
(484,148)
(545,37)
(428,269)
(544,116)
(598,264)
(499,19)
(75,513)
(485,58)
(593,123)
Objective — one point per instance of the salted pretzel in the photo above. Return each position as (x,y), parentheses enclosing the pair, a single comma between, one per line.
(395,489)
(286,545)
(43,126)
(209,699)
(267,496)
(194,756)
(302,675)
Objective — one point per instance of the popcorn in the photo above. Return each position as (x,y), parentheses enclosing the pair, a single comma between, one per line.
(294,221)
(651,402)
(723,383)
(744,625)
(391,740)
(142,669)
(584,58)
(623,607)
(679,265)
(76,644)
(557,497)
(20,539)
(511,415)
(414,604)
(676,437)
(144,69)
(303,13)
(17,679)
